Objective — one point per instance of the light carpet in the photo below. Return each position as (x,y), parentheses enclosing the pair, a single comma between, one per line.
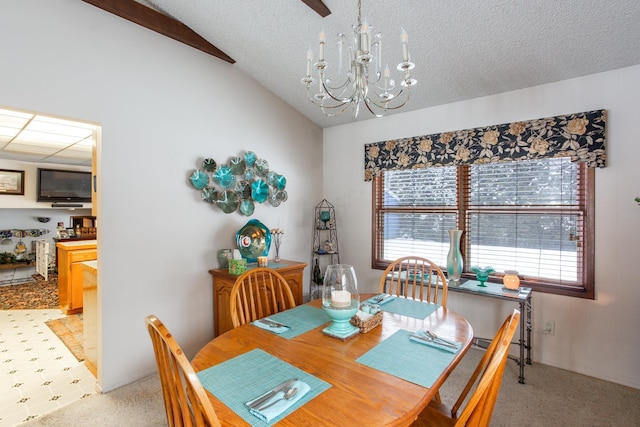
(550,397)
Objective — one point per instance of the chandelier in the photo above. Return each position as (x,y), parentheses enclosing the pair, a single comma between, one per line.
(365,81)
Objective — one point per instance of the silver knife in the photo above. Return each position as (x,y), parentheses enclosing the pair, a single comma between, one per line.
(272,323)
(426,339)
(380,298)
(259,401)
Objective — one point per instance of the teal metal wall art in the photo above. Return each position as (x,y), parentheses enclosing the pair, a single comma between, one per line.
(239,184)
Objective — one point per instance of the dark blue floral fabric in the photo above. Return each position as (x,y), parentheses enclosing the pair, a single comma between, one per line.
(580,136)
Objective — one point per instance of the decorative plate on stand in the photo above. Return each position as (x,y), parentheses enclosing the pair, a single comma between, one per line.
(253,240)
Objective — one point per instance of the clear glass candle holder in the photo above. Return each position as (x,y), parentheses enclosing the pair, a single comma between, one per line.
(340,299)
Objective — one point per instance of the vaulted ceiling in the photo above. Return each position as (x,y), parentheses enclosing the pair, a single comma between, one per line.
(462,50)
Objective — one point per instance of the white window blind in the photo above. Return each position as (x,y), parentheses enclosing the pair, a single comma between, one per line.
(526,216)
(418,208)
(531,216)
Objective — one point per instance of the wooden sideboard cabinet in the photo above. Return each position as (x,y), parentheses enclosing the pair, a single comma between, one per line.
(292,271)
(70,258)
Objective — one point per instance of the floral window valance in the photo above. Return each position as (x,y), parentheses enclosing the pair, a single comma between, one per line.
(580,136)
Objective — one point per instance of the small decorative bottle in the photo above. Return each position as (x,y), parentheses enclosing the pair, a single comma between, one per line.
(317,274)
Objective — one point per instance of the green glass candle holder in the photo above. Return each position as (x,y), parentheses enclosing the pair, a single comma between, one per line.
(482,274)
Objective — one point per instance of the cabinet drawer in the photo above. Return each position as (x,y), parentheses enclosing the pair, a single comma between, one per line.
(82,255)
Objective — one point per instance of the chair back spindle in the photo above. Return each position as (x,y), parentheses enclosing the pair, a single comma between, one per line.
(415,277)
(258,293)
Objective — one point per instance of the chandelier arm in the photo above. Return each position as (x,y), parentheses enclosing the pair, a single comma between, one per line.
(328,90)
(366,103)
(343,105)
(387,107)
(333,114)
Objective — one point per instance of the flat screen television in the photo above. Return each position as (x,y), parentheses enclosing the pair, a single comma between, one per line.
(55,185)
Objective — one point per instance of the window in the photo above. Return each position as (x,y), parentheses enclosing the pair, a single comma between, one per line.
(535,217)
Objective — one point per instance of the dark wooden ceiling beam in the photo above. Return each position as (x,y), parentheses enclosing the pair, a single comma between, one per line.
(318,6)
(156,21)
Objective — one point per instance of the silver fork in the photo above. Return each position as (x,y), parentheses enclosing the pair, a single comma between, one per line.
(272,323)
(436,338)
(429,339)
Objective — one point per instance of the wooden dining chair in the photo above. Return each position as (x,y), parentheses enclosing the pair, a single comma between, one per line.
(415,277)
(185,400)
(258,293)
(488,376)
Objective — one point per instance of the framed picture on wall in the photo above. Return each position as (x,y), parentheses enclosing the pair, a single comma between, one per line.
(11,182)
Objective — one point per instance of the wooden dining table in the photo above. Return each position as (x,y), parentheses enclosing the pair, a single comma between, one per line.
(359,395)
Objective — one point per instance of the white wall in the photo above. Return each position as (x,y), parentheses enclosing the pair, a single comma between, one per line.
(594,337)
(163,107)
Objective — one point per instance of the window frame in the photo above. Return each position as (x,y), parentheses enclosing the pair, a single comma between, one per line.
(586,185)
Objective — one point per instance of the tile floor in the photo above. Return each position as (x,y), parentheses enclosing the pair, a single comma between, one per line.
(38,374)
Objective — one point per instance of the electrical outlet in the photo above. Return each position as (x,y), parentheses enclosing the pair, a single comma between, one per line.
(549,328)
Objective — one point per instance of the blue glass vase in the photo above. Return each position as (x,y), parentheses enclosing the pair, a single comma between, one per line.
(454,257)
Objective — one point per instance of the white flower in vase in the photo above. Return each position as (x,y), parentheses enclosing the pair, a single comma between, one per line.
(276,234)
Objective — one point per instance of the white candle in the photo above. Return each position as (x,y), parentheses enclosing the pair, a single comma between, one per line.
(365,37)
(387,74)
(340,299)
(405,48)
(321,55)
(309,59)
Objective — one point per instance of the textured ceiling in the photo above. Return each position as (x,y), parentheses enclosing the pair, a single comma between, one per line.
(462,50)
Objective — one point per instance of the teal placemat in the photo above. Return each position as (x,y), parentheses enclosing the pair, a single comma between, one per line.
(411,361)
(300,319)
(409,307)
(249,375)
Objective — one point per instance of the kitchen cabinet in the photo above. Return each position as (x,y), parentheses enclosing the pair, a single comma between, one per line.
(70,258)
(90,315)
(292,272)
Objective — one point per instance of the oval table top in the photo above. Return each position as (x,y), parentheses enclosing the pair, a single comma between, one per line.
(359,395)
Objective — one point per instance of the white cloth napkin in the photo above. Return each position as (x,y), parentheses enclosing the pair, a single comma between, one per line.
(279,403)
(419,337)
(275,329)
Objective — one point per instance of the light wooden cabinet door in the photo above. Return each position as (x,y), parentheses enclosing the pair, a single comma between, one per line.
(70,276)
(90,315)
(292,271)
